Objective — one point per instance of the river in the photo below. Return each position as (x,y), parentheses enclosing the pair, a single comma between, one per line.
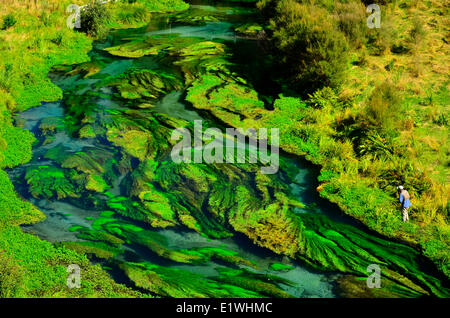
(93,183)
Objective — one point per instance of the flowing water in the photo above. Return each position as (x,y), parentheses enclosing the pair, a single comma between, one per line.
(65,214)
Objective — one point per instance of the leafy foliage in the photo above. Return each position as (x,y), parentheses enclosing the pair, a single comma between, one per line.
(312,51)
(94,18)
(8,21)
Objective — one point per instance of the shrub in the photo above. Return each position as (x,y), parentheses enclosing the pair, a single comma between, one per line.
(384,107)
(94,18)
(376,146)
(6,71)
(417,32)
(324,98)
(310,47)
(8,21)
(383,39)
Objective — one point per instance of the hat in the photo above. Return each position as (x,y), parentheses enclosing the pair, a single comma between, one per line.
(400,187)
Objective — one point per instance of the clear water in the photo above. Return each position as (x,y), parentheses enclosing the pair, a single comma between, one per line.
(61,214)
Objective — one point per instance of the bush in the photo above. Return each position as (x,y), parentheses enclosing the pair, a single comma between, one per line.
(384,107)
(417,32)
(94,18)
(8,21)
(324,98)
(385,38)
(310,47)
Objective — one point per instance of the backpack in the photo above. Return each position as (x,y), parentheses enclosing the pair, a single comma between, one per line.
(405,194)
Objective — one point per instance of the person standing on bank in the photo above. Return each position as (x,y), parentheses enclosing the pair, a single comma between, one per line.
(404,198)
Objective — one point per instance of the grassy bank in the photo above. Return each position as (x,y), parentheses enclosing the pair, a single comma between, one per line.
(33,38)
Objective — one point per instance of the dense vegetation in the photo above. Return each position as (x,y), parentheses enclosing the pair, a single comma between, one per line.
(378,115)
(368,106)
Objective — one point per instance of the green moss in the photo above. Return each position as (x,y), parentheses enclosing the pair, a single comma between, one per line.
(106,214)
(18,146)
(351,286)
(50,125)
(135,49)
(97,249)
(96,183)
(249,29)
(201,15)
(87,132)
(99,222)
(157,244)
(260,283)
(145,85)
(220,254)
(173,282)
(100,236)
(332,245)
(274,226)
(50,182)
(75,228)
(134,142)
(280,267)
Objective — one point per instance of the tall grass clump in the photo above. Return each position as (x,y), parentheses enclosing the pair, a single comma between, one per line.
(384,107)
(130,14)
(351,20)
(8,21)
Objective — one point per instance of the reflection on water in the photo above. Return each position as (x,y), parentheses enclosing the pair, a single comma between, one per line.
(211,31)
(172,106)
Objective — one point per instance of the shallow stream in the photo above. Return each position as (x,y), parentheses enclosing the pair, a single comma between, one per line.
(112,209)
